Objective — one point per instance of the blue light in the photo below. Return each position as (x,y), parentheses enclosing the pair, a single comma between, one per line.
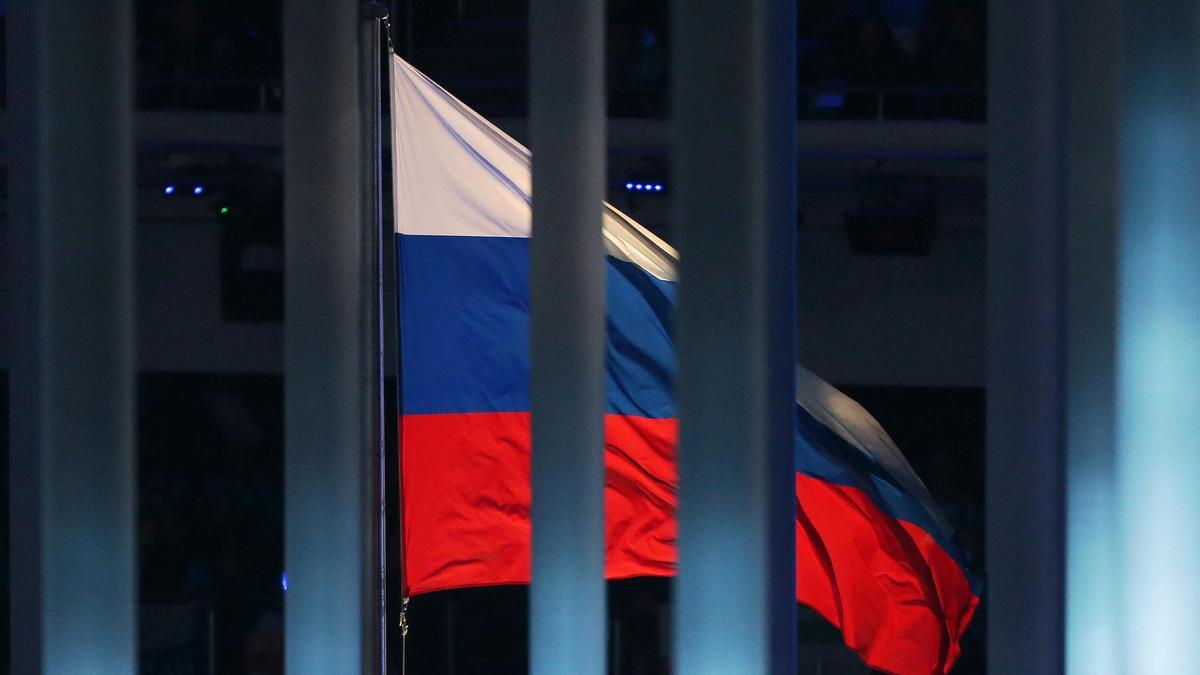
(198,190)
(829,100)
(284,579)
(645,187)
(169,190)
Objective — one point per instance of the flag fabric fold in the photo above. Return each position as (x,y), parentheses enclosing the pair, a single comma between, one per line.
(874,555)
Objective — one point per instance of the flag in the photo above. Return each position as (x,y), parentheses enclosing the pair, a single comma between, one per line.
(874,556)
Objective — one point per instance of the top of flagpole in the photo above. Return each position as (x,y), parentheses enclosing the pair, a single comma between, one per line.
(374,9)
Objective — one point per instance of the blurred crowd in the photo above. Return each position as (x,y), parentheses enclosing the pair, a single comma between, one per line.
(855,58)
(925,58)
(209,55)
(210,521)
(938,42)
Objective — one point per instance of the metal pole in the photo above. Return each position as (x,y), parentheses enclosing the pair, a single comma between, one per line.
(567,119)
(72,489)
(1025,301)
(735,204)
(331,369)
(1092,591)
(1158,336)
(211,651)
(374,515)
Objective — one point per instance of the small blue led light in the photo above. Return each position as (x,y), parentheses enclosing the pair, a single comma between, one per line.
(645,187)
(284,579)
(829,100)
(169,190)
(198,190)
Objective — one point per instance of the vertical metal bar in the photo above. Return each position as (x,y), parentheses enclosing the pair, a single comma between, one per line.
(211,647)
(328,374)
(1025,403)
(567,119)
(73,601)
(1158,336)
(450,634)
(734,166)
(1091,106)
(614,664)
(374,508)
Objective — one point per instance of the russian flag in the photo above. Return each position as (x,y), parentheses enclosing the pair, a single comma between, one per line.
(873,553)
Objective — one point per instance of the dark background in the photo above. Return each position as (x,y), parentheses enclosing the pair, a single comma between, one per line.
(210,430)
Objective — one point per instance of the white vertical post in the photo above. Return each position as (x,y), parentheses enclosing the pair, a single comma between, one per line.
(1158,336)
(735,180)
(331,369)
(1128,140)
(1091,83)
(1025,371)
(567,118)
(73,584)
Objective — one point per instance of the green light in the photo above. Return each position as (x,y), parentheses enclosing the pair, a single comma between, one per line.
(224,210)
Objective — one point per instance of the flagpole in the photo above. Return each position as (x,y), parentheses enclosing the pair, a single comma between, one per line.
(391,315)
(374,461)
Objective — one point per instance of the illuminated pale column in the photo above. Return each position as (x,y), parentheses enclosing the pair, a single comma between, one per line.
(1158,336)
(1092,57)
(1093,118)
(331,340)
(1026,338)
(70,224)
(734,171)
(567,117)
